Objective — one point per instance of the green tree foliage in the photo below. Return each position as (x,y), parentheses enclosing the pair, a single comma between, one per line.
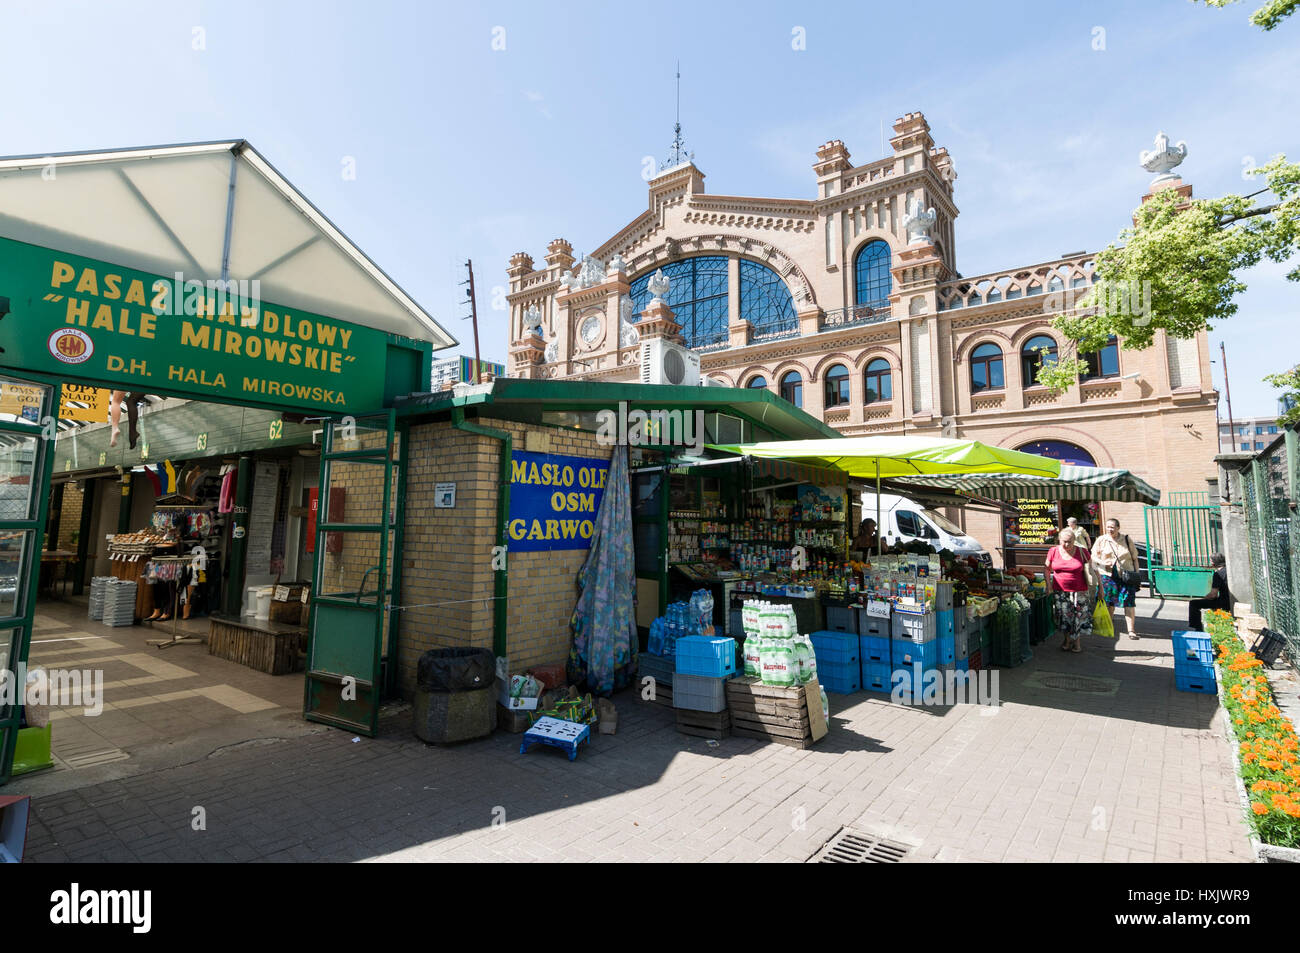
(1177,269)
(1269,15)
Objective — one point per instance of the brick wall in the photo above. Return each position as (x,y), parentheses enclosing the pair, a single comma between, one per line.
(70,518)
(447,576)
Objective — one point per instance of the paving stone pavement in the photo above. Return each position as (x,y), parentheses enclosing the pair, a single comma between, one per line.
(1139,773)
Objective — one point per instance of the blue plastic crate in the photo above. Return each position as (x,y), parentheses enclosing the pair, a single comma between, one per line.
(947,650)
(873,649)
(1192,647)
(1194,683)
(842,619)
(706,655)
(944,623)
(839,680)
(1197,670)
(876,676)
(834,646)
(907,654)
(963,665)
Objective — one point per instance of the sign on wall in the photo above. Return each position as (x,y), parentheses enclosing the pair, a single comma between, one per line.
(83,319)
(554,500)
(78,402)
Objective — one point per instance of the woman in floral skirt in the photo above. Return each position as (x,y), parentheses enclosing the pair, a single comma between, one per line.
(1069,579)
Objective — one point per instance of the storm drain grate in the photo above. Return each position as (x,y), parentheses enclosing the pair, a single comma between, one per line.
(1078,683)
(850,846)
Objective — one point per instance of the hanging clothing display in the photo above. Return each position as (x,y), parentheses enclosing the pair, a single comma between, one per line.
(226,501)
(602,658)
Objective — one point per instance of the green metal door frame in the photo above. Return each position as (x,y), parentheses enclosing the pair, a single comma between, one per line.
(345,673)
(17,628)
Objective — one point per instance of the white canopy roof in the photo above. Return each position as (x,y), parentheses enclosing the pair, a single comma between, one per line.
(209,210)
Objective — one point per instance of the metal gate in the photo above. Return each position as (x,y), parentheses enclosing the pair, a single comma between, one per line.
(1181,538)
(26,458)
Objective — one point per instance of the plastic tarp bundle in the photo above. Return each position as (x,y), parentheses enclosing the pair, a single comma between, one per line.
(603,653)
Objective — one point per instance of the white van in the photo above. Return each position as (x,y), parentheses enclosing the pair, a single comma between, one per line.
(906,521)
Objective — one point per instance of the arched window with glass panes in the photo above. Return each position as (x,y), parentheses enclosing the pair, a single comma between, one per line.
(872,281)
(757,381)
(986,368)
(1103,363)
(1038,351)
(877,381)
(837,386)
(792,388)
(698,297)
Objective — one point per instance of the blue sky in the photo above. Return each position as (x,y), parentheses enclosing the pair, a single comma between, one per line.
(466,151)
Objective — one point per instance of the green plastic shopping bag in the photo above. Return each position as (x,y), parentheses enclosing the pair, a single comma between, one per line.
(1101,622)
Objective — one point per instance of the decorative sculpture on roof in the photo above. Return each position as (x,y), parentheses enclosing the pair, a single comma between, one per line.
(628,335)
(1163,159)
(918,221)
(590,274)
(533,321)
(658,285)
(616,264)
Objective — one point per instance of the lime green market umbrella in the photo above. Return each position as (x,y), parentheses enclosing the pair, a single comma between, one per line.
(890,457)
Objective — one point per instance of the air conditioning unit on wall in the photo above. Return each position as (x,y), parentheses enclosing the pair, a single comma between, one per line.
(663,362)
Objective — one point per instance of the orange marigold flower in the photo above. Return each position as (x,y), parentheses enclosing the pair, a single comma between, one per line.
(1259,808)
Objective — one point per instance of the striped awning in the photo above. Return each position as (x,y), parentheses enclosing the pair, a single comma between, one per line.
(787,471)
(1075,483)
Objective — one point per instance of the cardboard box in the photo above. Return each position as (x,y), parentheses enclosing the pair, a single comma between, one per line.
(13,827)
(514,704)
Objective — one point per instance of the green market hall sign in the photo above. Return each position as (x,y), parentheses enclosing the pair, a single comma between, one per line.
(78,318)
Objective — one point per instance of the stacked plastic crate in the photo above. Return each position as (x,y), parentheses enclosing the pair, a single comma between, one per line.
(1194,663)
(704,663)
(914,649)
(875,652)
(839,670)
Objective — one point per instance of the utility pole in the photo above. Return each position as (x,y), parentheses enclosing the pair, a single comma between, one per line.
(473,316)
(1227,392)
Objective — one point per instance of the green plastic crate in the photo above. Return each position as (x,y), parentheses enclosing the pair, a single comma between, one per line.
(32,749)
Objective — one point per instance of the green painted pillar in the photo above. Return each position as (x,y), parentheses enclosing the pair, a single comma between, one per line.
(239,537)
(88,488)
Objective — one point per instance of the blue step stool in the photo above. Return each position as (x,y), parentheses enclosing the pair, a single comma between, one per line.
(557,733)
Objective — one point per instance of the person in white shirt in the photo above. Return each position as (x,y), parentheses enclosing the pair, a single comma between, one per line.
(1114,555)
(1081,537)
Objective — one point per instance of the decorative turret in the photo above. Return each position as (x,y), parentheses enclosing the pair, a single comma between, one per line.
(658,320)
(911,131)
(559,254)
(832,159)
(521,263)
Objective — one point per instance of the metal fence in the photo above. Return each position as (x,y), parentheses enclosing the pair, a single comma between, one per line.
(1181,537)
(1268,494)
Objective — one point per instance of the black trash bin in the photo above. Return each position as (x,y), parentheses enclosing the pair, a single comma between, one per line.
(455,695)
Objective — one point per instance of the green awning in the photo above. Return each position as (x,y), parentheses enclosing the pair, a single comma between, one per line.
(1095,484)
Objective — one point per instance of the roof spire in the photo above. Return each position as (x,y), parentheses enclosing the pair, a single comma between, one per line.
(677,151)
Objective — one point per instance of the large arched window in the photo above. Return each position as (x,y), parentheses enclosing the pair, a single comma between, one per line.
(837,386)
(878,381)
(871,275)
(1038,351)
(697,294)
(986,368)
(1103,363)
(792,388)
(757,381)
(765,301)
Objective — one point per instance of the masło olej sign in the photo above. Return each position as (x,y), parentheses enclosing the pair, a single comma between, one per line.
(86,320)
(554,500)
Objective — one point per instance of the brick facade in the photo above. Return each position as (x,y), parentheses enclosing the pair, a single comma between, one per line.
(1153,412)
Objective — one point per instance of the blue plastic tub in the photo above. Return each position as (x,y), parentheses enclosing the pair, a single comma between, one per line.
(706,655)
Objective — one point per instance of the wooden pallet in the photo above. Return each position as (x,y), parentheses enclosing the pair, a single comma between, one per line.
(773,713)
(704,724)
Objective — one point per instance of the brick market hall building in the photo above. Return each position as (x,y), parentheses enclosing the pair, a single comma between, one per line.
(850,305)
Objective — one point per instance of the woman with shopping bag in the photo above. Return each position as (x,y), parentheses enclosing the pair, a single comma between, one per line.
(1070,582)
(1116,560)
